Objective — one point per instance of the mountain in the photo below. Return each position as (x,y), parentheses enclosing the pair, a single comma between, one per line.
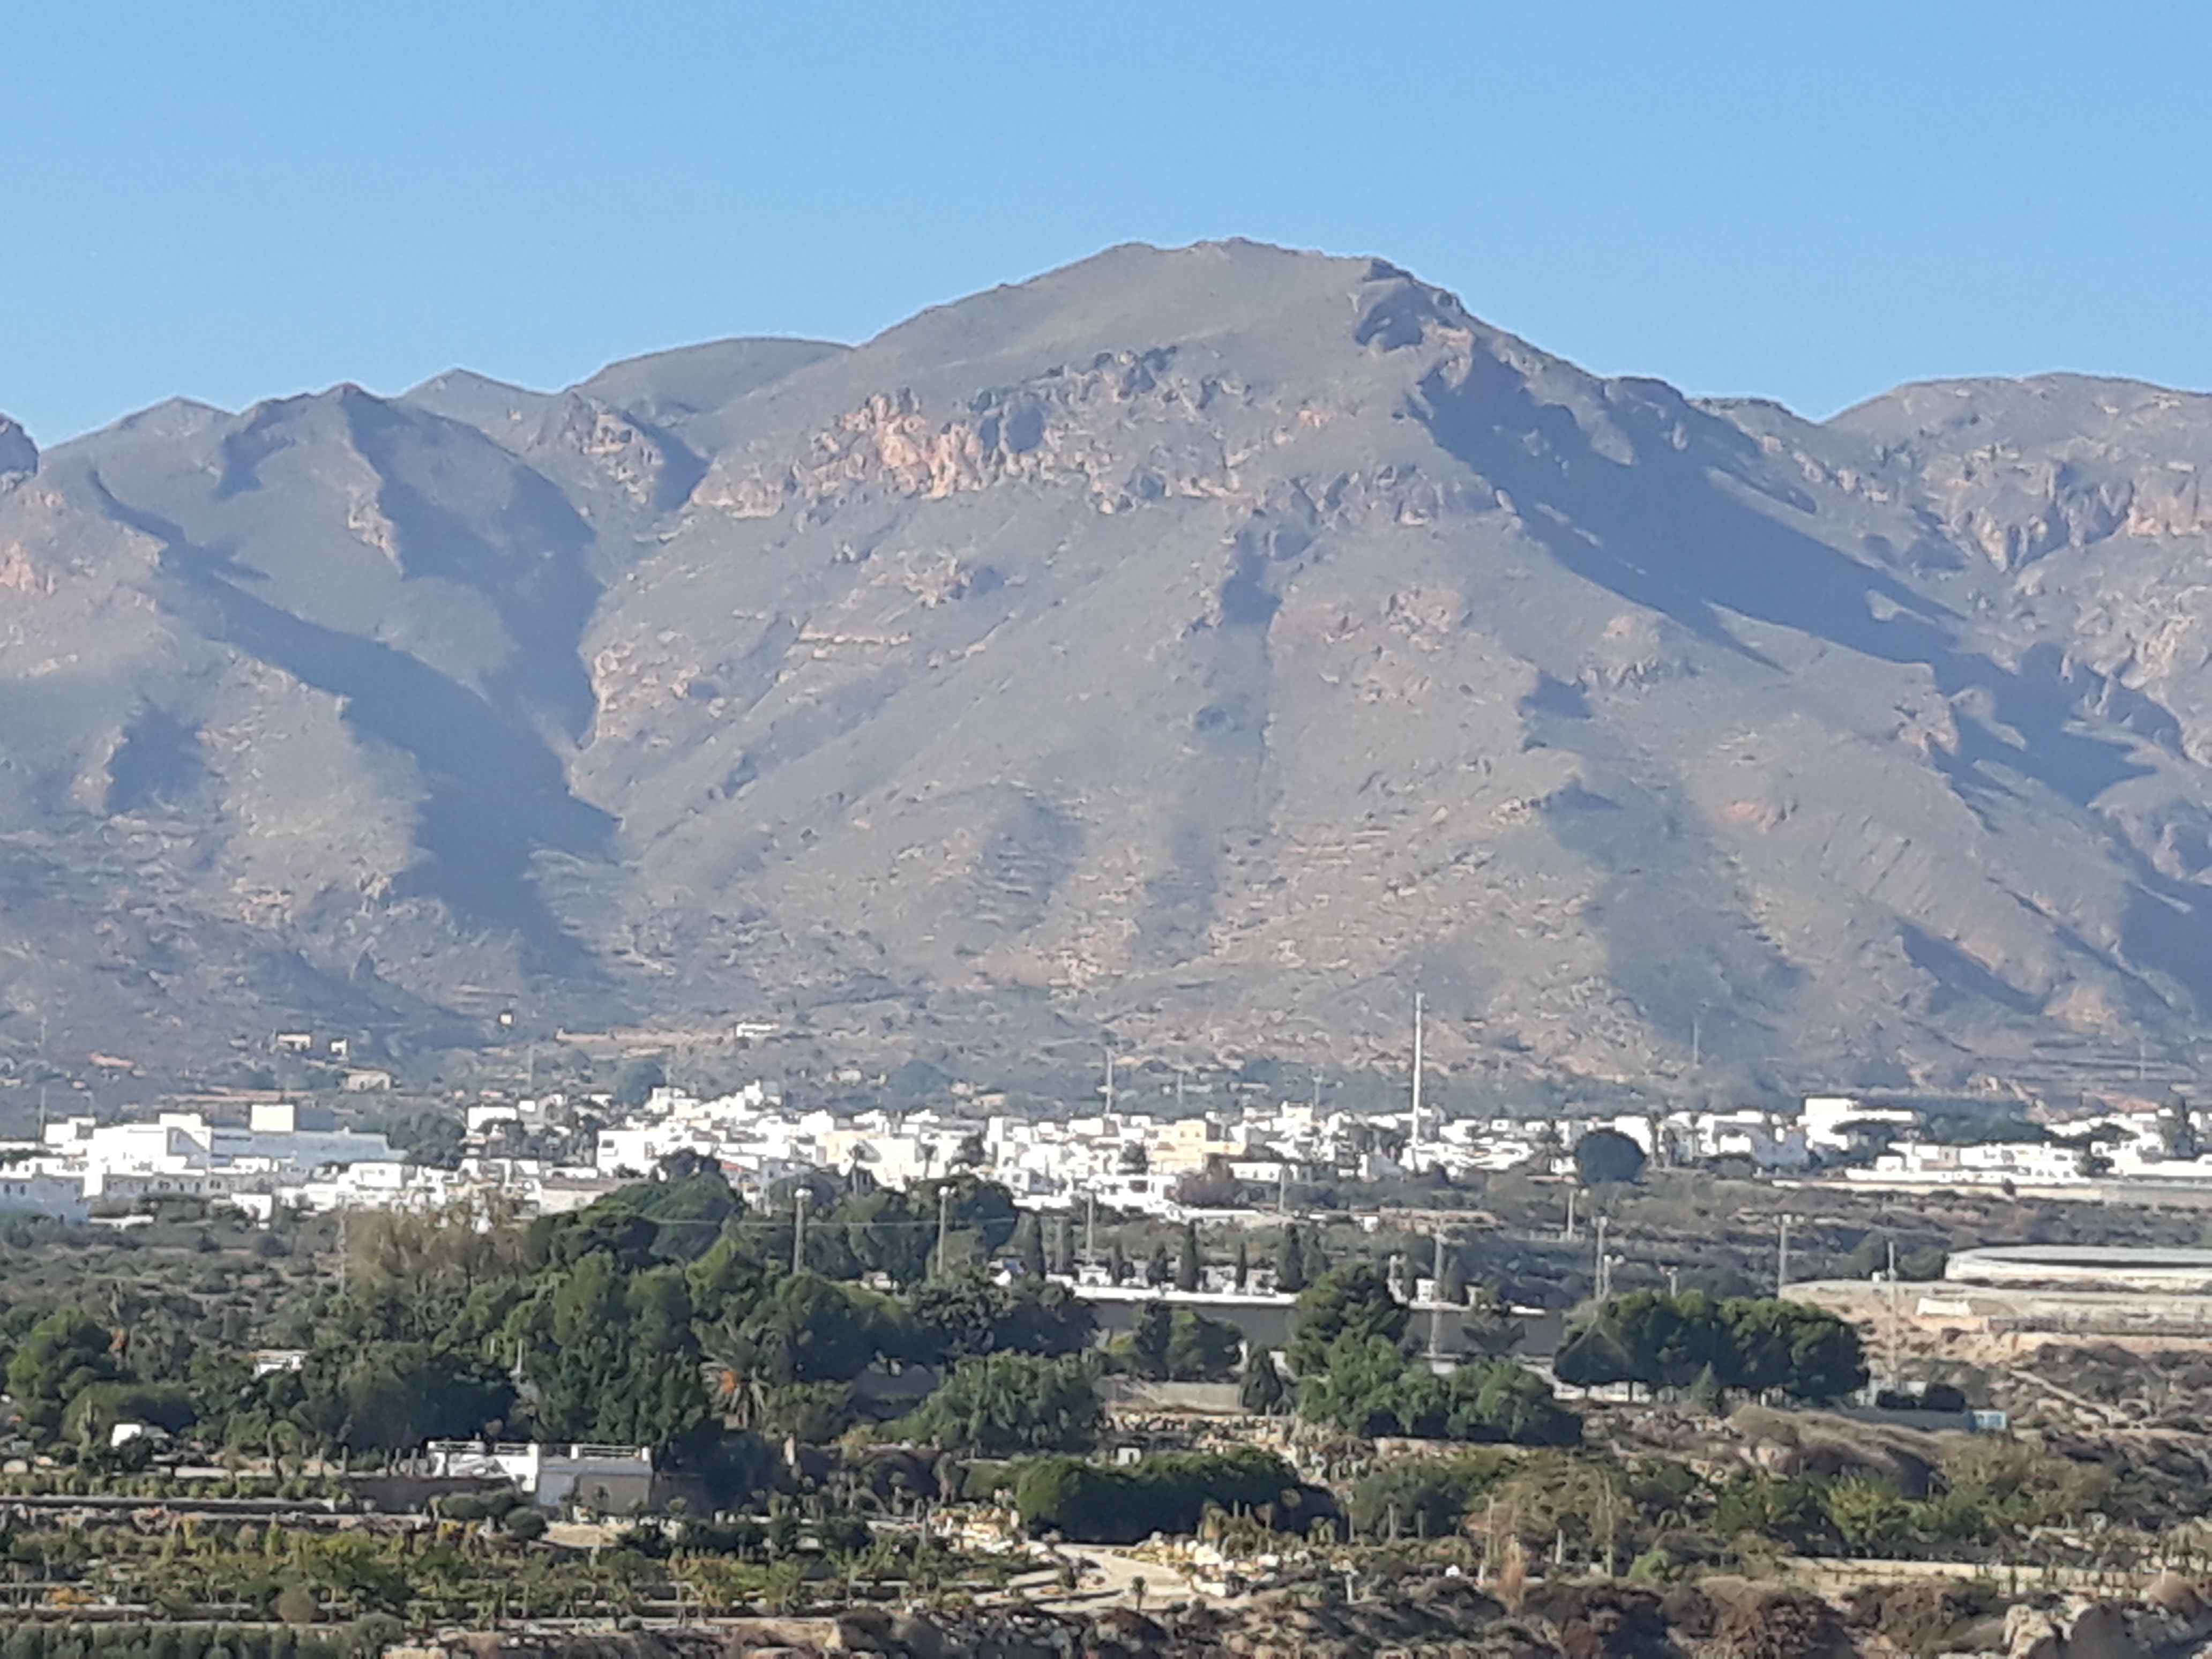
(1196,649)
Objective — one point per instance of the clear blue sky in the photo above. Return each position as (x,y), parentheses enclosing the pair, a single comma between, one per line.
(1810,202)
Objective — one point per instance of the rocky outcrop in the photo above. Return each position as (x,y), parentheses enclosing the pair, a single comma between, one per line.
(19,456)
(2171,1621)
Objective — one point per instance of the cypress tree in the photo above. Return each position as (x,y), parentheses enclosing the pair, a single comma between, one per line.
(1063,1260)
(1028,1245)
(1156,1271)
(1186,1272)
(1291,1261)
(1243,1264)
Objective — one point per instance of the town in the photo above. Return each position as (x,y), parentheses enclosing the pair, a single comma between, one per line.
(1153,1156)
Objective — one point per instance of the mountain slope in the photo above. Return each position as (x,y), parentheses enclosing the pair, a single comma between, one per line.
(1202,647)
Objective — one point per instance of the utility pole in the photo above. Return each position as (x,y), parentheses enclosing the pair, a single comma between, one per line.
(798,1198)
(1436,1293)
(1896,1332)
(1697,1039)
(1781,1255)
(1604,1263)
(1414,1138)
(1570,1234)
(1110,1083)
(943,1220)
(1090,1230)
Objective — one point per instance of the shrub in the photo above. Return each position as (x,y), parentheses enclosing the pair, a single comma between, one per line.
(524,1523)
(1092,1504)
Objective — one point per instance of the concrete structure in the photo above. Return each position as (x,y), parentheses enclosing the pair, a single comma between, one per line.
(1952,1312)
(58,1196)
(2032,1164)
(607,1479)
(2084,1267)
(1264,1316)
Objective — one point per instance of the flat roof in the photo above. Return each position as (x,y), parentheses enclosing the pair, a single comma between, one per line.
(2091,1256)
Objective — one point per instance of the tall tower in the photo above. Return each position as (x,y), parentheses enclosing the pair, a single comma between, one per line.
(1413,1139)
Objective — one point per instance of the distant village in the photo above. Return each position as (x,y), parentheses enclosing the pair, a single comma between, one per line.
(554,1152)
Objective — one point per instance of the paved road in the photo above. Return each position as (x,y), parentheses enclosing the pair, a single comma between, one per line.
(1113,1580)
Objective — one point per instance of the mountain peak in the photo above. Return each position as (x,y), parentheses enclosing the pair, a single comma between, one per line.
(19,456)
(1196,649)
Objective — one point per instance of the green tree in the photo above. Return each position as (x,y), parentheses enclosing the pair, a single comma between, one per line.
(807,1329)
(1186,1258)
(981,1215)
(1063,1247)
(1351,1301)
(394,1395)
(64,1354)
(613,1356)
(1368,1385)
(1179,1344)
(1607,1156)
(1808,1351)
(1029,1246)
(1002,1404)
(889,1234)
(637,1079)
(1244,1269)
(1429,1495)
(1591,1357)
(1264,1392)
(1156,1271)
(1706,1394)
(972,1315)
(1670,1339)
(1144,1350)
(1202,1350)
(1291,1261)
(1166,1493)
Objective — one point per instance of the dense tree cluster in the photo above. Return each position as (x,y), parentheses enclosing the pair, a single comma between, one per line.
(657,1316)
(1607,1156)
(997,1404)
(1093,1504)
(1753,1344)
(1346,1340)
(1178,1344)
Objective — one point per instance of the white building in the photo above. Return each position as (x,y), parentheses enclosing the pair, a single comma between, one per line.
(606,1480)
(1825,1118)
(2023,1164)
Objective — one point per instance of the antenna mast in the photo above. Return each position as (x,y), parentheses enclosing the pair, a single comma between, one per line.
(1415,1137)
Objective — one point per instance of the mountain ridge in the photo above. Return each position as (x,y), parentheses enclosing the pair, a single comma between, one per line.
(1192,650)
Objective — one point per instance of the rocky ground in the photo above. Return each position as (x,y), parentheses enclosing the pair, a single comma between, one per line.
(1445,1618)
